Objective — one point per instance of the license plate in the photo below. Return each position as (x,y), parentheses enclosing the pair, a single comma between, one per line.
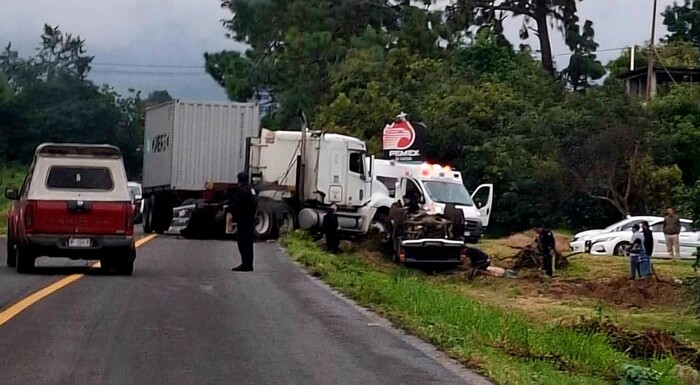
(466,234)
(79,242)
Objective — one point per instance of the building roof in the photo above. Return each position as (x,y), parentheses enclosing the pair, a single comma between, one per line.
(659,69)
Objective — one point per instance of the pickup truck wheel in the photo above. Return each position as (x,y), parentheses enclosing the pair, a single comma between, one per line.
(11,253)
(24,263)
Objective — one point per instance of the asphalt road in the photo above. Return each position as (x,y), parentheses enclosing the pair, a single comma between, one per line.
(184,318)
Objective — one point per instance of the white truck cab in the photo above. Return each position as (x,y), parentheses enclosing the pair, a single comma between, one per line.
(434,186)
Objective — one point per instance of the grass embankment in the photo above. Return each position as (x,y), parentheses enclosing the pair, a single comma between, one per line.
(505,344)
(594,286)
(10,177)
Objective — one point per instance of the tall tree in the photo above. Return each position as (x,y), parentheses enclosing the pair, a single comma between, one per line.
(683,22)
(584,64)
(537,15)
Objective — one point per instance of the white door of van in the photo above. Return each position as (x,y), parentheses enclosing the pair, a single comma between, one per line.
(483,199)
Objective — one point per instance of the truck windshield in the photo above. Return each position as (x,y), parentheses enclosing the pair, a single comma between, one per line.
(447,192)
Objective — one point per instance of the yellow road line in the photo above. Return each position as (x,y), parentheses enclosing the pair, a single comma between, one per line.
(22,305)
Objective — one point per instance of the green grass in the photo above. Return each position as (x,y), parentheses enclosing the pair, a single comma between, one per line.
(10,177)
(505,345)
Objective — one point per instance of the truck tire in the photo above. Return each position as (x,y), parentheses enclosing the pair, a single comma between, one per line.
(162,209)
(24,262)
(148,215)
(264,221)
(11,252)
(285,219)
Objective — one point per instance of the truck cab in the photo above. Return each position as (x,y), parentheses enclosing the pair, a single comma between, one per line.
(432,187)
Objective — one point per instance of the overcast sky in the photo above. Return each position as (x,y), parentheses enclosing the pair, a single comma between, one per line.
(178,32)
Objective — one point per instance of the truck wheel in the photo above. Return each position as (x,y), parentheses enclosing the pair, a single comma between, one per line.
(11,253)
(24,262)
(162,213)
(148,216)
(264,224)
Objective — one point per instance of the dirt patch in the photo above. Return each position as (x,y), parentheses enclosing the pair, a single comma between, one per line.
(648,344)
(520,241)
(618,291)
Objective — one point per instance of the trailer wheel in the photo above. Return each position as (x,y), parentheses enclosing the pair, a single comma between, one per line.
(264,223)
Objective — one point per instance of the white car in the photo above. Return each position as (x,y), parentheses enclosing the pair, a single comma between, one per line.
(615,243)
(579,241)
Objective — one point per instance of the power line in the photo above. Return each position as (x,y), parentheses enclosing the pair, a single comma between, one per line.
(134,65)
(169,73)
(175,66)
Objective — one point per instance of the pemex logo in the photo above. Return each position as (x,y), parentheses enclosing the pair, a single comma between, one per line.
(399,135)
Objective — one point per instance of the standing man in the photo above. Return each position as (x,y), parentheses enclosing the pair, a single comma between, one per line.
(672,227)
(330,230)
(645,269)
(547,246)
(243,206)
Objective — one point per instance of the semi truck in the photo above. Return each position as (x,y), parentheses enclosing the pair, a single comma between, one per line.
(194,151)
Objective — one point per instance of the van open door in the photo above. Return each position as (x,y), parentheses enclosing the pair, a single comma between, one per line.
(483,198)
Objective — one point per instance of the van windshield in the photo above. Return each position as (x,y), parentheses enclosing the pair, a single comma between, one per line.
(448,192)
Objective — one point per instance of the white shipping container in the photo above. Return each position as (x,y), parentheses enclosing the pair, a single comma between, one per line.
(187,144)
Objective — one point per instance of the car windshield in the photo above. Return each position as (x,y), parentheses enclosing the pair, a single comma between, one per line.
(447,192)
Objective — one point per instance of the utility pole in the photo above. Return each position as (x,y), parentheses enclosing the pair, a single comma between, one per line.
(651,53)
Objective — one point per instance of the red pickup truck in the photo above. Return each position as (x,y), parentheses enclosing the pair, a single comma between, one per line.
(74,203)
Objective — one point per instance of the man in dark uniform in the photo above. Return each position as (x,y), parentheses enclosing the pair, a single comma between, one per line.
(547,246)
(330,230)
(243,205)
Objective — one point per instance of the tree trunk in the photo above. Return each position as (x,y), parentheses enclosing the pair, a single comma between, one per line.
(541,10)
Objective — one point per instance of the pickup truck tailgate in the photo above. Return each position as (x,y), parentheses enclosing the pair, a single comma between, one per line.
(78,217)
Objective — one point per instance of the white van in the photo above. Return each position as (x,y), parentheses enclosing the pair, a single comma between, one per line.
(435,186)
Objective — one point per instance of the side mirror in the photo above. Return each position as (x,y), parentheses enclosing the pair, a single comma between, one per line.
(11,194)
(479,204)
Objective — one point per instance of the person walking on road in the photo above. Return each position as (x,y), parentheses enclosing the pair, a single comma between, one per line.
(672,228)
(330,230)
(547,246)
(243,206)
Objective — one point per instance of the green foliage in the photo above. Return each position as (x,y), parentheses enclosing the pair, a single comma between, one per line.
(157,97)
(683,22)
(52,101)
(558,158)
(673,54)
(637,375)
